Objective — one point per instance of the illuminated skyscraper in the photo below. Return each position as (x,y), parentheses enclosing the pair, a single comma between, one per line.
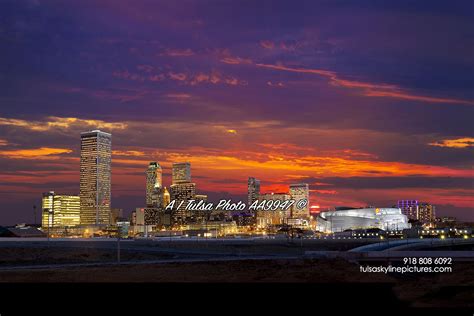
(182,192)
(299,191)
(201,197)
(182,189)
(181,172)
(96,159)
(60,210)
(253,190)
(415,210)
(426,213)
(153,184)
(166,197)
(275,216)
(409,208)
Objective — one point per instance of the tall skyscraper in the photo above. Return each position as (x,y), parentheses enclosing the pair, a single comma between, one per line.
(409,208)
(182,189)
(299,191)
(60,210)
(153,184)
(253,190)
(166,198)
(265,218)
(95,179)
(182,192)
(181,172)
(426,213)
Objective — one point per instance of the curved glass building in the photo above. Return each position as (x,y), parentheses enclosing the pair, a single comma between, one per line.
(343,218)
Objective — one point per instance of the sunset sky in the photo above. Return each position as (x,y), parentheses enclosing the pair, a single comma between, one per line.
(368,102)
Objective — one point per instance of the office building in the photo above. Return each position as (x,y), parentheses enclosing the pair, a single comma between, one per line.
(426,213)
(95,178)
(421,211)
(181,172)
(298,192)
(182,192)
(59,211)
(133,218)
(253,190)
(153,184)
(150,216)
(200,197)
(156,198)
(166,198)
(115,215)
(409,208)
(274,216)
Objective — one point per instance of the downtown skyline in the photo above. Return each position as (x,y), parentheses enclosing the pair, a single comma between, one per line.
(364,102)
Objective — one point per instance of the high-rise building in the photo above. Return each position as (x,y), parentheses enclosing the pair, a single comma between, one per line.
(200,215)
(115,215)
(148,216)
(275,216)
(60,210)
(200,197)
(95,179)
(253,190)
(426,213)
(182,192)
(181,172)
(409,208)
(166,197)
(415,210)
(299,191)
(153,184)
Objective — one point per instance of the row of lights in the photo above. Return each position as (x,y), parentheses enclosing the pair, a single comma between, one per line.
(437,231)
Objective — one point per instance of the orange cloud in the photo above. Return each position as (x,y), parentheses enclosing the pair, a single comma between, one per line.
(3,142)
(369,89)
(406,96)
(455,143)
(332,192)
(178,96)
(299,70)
(178,52)
(53,122)
(38,153)
(357,84)
(267,44)
(177,76)
(235,60)
(214,78)
(133,153)
(274,164)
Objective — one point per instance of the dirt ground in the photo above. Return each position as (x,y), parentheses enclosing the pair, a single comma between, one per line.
(444,290)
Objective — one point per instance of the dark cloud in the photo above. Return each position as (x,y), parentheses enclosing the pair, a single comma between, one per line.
(395,182)
(184,75)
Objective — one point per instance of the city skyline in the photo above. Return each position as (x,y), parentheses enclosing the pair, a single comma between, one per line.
(363,101)
(61,210)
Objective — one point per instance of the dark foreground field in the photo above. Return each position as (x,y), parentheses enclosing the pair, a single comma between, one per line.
(454,289)
(37,268)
